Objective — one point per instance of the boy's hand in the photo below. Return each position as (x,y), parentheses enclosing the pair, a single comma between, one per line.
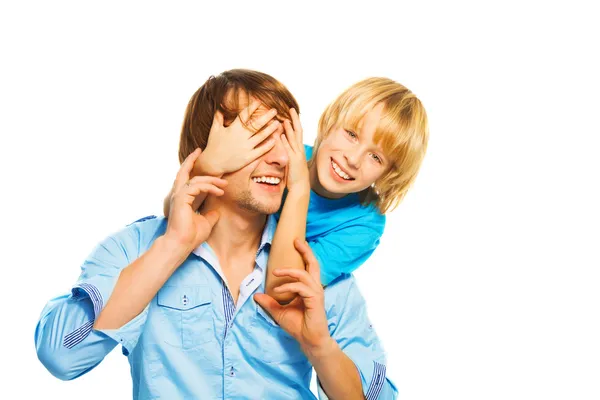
(297,174)
(232,148)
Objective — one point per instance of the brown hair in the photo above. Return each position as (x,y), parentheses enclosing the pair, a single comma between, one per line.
(210,98)
(403,132)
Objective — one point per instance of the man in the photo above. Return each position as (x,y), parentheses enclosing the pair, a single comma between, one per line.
(182,296)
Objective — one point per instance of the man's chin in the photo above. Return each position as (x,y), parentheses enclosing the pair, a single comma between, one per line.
(269,209)
(259,207)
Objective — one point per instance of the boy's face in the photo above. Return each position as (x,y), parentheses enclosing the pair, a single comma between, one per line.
(349,161)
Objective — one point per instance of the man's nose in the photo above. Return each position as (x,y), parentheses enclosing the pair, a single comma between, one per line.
(277,155)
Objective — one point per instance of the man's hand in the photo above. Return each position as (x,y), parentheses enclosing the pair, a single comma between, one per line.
(186,227)
(297,174)
(304,318)
(233,147)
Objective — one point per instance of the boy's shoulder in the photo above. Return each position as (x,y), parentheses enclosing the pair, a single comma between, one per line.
(359,214)
(308,150)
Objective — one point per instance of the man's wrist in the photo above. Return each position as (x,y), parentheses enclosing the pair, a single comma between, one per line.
(177,248)
(321,351)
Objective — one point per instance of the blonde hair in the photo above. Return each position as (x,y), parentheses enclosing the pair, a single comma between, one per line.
(403,132)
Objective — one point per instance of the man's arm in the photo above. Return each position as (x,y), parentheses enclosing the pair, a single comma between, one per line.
(139,282)
(66,342)
(356,338)
(337,374)
(343,347)
(75,333)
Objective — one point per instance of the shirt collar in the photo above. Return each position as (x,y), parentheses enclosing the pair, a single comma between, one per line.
(204,251)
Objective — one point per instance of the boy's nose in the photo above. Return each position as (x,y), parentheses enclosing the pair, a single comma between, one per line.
(353,158)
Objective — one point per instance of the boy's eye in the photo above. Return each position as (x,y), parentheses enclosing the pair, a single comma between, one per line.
(351,134)
(377,158)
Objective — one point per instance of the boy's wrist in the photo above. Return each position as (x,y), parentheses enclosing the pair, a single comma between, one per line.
(205,165)
(299,188)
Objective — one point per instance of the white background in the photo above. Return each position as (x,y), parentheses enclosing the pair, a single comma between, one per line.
(485,285)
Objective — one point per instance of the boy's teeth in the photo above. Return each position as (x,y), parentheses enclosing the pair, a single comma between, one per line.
(339,171)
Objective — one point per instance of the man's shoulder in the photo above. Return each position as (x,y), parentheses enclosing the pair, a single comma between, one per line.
(143,231)
(339,290)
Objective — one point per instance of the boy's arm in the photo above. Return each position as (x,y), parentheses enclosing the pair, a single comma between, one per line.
(283,254)
(292,221)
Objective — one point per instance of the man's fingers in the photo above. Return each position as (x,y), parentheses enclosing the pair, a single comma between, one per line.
(312,265)
(269,304)
(195,189)
(300,274)
(186,168)
(297,287)
(220,182)
(189,193)
(212,217)
(191,189)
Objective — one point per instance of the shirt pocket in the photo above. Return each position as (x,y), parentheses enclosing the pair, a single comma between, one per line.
(273,344)
(187,315)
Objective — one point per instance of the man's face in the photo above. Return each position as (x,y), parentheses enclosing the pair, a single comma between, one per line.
(258,187)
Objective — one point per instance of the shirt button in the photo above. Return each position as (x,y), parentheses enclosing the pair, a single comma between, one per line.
(184,300)
(231,372)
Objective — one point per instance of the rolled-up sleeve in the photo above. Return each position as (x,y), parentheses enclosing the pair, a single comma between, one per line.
(342,251)
(349,325)
(66,342)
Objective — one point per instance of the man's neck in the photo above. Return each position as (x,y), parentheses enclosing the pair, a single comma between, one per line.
(237,233)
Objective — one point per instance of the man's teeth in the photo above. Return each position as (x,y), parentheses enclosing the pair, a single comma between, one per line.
(339,171)
(267,179)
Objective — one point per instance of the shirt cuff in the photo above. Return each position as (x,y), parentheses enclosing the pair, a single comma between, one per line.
(128,335)
(372,376)
(98,289)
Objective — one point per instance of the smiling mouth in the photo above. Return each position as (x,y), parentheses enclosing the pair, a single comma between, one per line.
(269,180)
(340,172)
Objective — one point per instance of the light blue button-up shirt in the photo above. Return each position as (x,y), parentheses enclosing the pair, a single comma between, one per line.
(192,341)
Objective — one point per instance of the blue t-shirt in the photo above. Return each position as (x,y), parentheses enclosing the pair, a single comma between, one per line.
(342,233)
